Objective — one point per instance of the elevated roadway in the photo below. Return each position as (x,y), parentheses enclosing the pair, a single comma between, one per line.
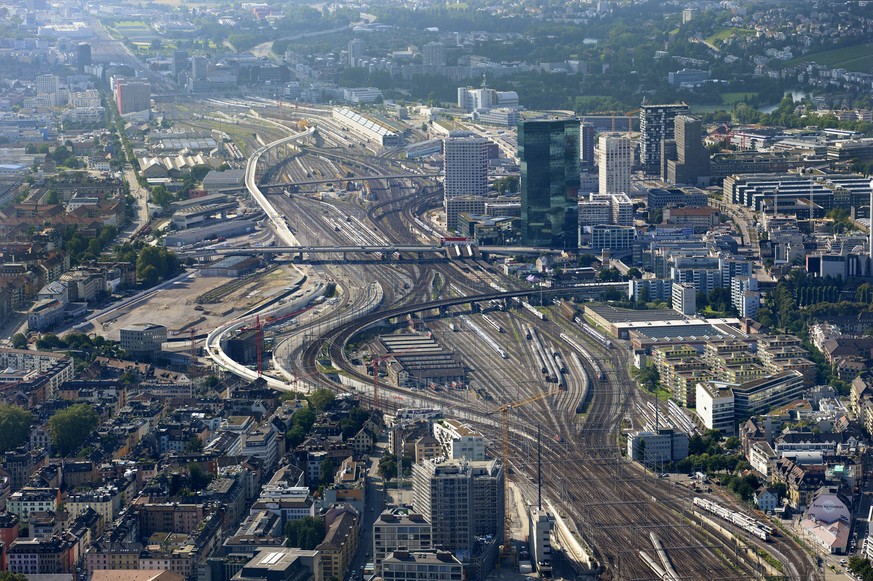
(251,183)
(352,179)
(371,249)
(216,338)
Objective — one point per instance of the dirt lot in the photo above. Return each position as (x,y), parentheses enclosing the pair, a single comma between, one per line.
(221,299)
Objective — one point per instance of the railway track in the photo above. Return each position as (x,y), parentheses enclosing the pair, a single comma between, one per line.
(612,501)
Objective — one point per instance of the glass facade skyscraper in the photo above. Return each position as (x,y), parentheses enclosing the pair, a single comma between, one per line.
(549,153)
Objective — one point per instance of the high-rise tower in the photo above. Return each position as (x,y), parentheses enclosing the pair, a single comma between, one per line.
(656,123)
(549,153)
(614,160)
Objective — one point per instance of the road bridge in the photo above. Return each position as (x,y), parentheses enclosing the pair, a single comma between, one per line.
(351,179)
(382,252)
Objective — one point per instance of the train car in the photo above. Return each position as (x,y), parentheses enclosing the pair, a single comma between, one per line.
(543,368)
(586,388)
(559,361)
(527,333)
(743,521)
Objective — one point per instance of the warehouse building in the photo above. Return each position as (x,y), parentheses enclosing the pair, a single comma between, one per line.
(420,361)
(366,127)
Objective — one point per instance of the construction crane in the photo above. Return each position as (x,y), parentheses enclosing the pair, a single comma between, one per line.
(504,429)
(729,133)
(193,352)
(630,120)
(374,363)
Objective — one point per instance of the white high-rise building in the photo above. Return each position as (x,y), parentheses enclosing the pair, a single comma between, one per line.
(50,85)
(745,296)
(434,54)
(684,298)
(870,213)
(356,51)
(622,209)
(466,169)
(614,158)
(466,165)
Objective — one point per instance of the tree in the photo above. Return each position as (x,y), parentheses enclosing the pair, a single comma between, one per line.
(198,478)
(193,444)
(326,472)
(387,466)
(154,264)
(14,426)
(70,427)
(305,533)
(861,567)
(7,576)
(643,296)
(295,436)
(19,341)
(321,399)
(161,197)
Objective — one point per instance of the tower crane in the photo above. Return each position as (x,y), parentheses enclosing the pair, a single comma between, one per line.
(504,429)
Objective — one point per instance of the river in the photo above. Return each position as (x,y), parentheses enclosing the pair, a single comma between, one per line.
(796,95)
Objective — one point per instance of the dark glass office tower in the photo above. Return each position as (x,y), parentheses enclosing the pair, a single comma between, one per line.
(549,153)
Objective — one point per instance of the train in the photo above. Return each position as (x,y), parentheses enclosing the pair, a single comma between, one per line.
(493,323)
(534,311)
(586,386)
(591,332)
(598,372)
(550,372)
(485,337)
(743,521)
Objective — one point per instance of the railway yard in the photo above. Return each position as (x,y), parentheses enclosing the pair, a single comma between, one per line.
(510,348)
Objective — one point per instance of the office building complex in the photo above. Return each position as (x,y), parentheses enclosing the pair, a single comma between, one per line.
(461,499)
(587,139)
(606,209)
(656,123)
(466,167)
(132,95)
(549,154)
(614,160)
(83,55)
(143,339)
(434,54)
(692,159)
(398,528)
(483,98)
(422,566)
(356,51)
(684,298)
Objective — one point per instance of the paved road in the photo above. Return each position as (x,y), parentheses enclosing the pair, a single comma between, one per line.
(375,502)
(265,49)
(141,195)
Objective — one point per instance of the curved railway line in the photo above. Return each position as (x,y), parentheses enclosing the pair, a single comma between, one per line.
(612,501)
